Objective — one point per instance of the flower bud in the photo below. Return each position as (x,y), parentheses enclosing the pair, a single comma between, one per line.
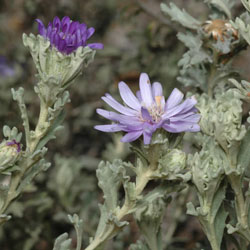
(9,153)
(56,70)
(172,166)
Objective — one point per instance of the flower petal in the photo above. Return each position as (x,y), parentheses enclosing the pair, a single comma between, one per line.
(128,97)
(57,23)
(177,127)
(95,45)
(147,138)
(123,119)
(186,106)
(108,128)
(131,136)
(145,114)
(90,32)
(138,95)
(118,107)
(148,130)
(189,117)
(146,90)
(157,89)
(174,99)
(41,28)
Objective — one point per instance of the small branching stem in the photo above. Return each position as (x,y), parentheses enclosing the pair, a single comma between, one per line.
(141,183)
(212,76)
(41,127)
(27,163)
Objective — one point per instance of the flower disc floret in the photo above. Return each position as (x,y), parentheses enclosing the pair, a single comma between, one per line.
(67,35)
(148,111)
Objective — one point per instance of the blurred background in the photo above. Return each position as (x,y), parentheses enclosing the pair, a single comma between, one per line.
(137,38)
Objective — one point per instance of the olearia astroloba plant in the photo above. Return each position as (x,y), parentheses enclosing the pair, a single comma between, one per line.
(59,52)
(210,121)
(218,169)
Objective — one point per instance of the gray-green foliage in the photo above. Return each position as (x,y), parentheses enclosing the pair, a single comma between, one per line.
(222,146)
(159,161)
(246,4)
(222,119)
(202,66)
(217,169)
(207,175)
(223,5)
(180,16)
(62,242)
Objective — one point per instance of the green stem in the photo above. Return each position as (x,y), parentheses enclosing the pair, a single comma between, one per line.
(79,240)
(213,70)
(41,127)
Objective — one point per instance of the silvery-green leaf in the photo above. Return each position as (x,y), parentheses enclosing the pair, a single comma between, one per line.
(107,223)
(243,89)
(38,167)
(180,16)
(194,57)
(190,40)
(12,134)
(194,76)
(243,28)
(62,242)
(244,155)
(149,219)
(246,4)
(222,118)
(115,174)
(191,209)
(220,223)
(78,224)
(150,210)
(223,5)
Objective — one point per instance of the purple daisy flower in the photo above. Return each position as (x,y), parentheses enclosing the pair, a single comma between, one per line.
(67,35)
(148,111)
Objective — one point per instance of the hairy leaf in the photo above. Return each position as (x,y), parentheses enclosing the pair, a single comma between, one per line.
(180,16)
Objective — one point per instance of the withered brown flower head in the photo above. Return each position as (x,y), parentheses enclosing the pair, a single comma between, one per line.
(219,29)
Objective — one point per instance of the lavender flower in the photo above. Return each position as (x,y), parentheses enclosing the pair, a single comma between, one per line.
(67,35)
(149,111)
